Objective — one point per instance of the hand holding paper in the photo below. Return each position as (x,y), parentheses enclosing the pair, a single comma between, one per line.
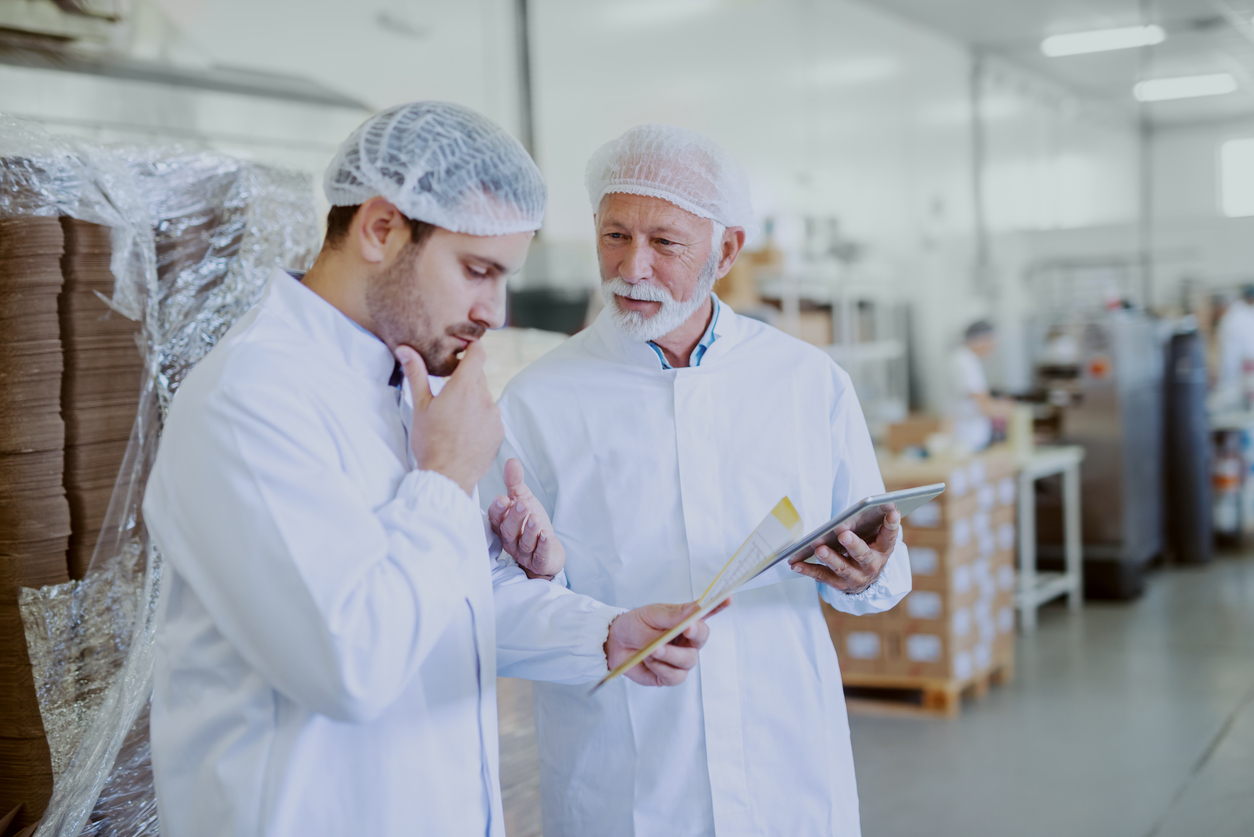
(668,664)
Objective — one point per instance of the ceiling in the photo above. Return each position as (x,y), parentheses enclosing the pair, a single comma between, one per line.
(1203,36)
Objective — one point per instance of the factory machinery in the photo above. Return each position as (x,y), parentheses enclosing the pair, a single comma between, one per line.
(1100,379)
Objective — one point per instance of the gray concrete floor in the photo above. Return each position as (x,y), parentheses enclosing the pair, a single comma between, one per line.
(1129,719)
(1125,719)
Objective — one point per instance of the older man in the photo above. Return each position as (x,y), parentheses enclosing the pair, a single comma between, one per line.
(657,439)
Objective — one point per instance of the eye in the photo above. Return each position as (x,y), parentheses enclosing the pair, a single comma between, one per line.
(614,235)
(665,242)
(477,272)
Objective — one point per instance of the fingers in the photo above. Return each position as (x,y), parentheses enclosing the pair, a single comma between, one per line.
(511,527)
(416,373)
(528,536)
(726,603)
(514,484)
(886,540)
(496,513)
(674,656)
(695,635)
(663,617)
(824,575)
(855,547)
(470,367)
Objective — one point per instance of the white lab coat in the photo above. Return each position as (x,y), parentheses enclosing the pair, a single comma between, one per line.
(654,478)
(1236,344)
(325,660)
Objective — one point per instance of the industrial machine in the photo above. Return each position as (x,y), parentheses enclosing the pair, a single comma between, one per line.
(1106,389)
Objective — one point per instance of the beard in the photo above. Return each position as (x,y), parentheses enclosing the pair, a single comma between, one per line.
(394,303)
(638,326)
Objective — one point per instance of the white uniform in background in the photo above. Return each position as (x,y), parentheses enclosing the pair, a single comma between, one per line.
(971,427)
(653,478)
(1236,344)
(326,660)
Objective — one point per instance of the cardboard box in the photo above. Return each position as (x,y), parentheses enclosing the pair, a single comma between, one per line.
(1005,572)
(941,512)
(931,566)
(913,432)
(926,653)
(959,536)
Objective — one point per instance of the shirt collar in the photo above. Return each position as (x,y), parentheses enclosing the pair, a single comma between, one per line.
(330,327)
(707,340)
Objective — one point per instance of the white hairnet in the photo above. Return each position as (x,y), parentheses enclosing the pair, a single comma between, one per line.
(443,164)
(684,167)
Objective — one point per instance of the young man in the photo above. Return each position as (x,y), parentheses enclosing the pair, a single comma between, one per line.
(327,661)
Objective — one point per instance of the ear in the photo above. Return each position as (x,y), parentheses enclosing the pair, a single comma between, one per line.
(733,240)
(380,230)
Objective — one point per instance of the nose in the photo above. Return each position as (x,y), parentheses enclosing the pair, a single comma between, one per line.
(489,308)
(637,263)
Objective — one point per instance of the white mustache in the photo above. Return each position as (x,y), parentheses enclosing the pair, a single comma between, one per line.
(641,291)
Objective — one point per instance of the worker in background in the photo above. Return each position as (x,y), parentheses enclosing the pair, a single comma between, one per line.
(657,440)
(1236,348)
(972,407)
(326,656)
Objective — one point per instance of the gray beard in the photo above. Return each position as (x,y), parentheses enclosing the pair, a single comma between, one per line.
(638,327)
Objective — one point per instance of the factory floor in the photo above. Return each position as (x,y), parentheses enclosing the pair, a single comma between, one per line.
(1131,719)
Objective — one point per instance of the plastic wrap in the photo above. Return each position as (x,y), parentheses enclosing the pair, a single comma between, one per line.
(196,234)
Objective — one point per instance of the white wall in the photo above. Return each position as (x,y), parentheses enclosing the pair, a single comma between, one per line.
(1060,181)
(463,52)
(835,109)
(1191,236)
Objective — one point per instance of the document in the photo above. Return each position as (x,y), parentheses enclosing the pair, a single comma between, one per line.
(780,538)
(778,530)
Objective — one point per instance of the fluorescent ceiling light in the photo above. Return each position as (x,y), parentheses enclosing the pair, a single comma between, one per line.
(1184,87)
(1102,40)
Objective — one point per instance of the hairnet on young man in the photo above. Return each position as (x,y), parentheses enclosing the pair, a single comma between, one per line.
(443,164)
(683,167)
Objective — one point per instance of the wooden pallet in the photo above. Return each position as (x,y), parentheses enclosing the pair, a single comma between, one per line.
(927,697)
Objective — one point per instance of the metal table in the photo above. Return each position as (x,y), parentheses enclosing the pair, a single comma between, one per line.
(1036,588)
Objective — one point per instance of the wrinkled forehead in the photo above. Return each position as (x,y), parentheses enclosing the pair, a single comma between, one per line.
(648,213)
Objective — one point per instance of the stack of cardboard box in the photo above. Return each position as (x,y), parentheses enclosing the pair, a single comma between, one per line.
(958,622)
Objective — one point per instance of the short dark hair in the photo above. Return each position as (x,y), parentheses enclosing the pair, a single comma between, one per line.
(978,329)
(341,217)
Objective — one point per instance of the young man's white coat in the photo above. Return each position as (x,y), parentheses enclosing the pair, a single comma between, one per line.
(326,658)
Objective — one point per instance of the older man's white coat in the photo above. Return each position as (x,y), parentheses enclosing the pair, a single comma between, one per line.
(653,479)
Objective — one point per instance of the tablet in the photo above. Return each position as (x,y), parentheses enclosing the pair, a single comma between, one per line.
(864,517)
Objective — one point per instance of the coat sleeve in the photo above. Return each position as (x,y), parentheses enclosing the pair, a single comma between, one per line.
(543,630)
(857,475)
(334,603)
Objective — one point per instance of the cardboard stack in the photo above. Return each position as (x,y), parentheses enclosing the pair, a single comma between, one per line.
(34,517)
(958,621)
(100,387)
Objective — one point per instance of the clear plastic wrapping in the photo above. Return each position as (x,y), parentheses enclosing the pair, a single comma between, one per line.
(195,236)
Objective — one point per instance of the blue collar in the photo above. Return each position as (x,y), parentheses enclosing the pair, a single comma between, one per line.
(707,340)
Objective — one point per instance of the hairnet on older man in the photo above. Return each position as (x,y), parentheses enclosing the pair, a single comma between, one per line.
(443,164)
(684,167)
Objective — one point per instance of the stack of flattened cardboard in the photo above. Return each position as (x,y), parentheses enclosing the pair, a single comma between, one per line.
(100,387)
(34,517)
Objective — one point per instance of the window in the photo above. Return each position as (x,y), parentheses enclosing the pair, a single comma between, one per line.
(1236,177)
